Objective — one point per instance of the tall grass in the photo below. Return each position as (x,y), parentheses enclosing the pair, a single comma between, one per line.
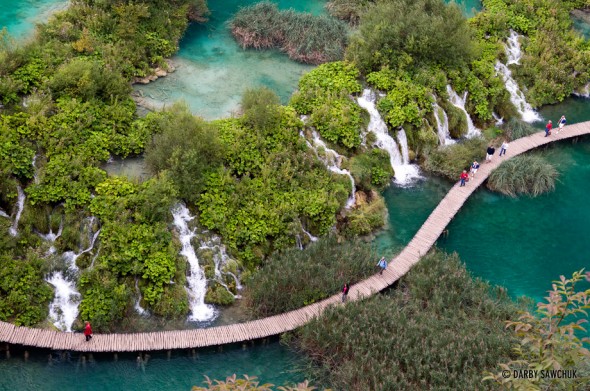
(516,128)
(530,175)
(304,37)
(439,330)
(451,160)
(293,278)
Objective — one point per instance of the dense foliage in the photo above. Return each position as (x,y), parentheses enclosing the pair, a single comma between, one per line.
(515,129)
(371,170)
(529,174)
(292,278)
(551,340)
(451,160)
(248,383)
(303,36)
(437,331)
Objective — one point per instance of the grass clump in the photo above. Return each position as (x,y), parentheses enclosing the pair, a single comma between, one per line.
(367,216)
(438,331)
(371,170)
(304,37)
(451,160)
(516,128)
(293,278)
(530,175)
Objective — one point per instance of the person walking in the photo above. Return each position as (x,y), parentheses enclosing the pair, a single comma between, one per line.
(562,122)
(489,153)
(345,290)
(503,148)
(464,177)
(548,128)
(474,168)
(87,331)
(382,264)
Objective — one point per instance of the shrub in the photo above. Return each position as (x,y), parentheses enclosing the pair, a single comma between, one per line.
(371,169)
(348,10)
(248,383)
(368,215)
(437,331)
(304,37)
(530,175)
(451,160)
(339,121)
(516,128)
(217,294)
(313,274)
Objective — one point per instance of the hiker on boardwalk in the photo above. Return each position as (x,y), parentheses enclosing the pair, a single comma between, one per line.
(87,331)
(503,148)
(489,153)
(548,128)
(464,177)
(474,168)
(382,264)
(345,290)
(562,122)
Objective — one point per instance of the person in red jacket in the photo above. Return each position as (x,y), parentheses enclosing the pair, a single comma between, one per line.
(464,177)
(87,331)
(548,128)
(345,290)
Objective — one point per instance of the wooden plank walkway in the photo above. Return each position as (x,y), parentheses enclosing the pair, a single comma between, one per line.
(278,324)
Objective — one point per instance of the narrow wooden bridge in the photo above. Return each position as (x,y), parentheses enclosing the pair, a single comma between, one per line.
(274,325)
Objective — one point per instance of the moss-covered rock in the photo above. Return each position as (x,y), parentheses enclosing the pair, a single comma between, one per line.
(371,169)
(367,216)
(217,294)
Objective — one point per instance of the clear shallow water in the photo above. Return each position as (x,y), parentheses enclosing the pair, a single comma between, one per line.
(270,363)
(20,17)
(213,71)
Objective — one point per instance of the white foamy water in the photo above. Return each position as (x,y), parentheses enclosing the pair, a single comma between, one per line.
(20,204)
(197,282)
(442,125)
(138,308)
(513,48)
(220,260)
(516,96)
(63,310)
(583,92)
(3,214)
(459,102)
(404,172)
(499,121)
(310,236)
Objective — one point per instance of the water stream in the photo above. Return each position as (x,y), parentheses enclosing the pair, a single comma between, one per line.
(442,125)
(20,205)
(459,102)
(197,282)
(405,173)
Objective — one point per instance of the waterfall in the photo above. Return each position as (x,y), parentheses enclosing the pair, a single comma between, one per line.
(583,92)
(20,204)
(513,48)
(63,310)
(138,308)
(516,96)
(404,172)
(442,125)
(499,121)
(3,214)
(332,162)
(35,176)
(220,259)
(197,282)
(459,102)
(310,236)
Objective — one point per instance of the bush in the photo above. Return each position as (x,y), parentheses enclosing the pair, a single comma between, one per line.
(516,128)
(530,175)
(217,294)
(437,331)
(371,169)
(313,274)
(348,10)
(304,37)
(339,121)
(368,215)
(451,160)
(401,33)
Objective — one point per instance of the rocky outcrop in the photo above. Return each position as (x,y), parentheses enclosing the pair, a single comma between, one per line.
(156,73)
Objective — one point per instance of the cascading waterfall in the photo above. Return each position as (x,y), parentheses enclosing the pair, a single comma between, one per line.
(20,204)
(459,102)
(516,96)
(442,125)
(404,172)
(51,237)
(197,282)
(310,236)
(3,214)
(220,259)
(63,310)
(332,161)
(513,48)
(138,308)
(583,92)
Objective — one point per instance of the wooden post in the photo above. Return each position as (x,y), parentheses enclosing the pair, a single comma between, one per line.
(116,356)
(26,355)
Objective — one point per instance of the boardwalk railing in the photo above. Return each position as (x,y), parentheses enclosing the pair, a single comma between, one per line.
(273,325)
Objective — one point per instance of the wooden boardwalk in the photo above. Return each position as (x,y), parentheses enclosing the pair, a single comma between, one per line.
(261,328)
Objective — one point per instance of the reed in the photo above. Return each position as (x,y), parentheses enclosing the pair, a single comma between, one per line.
(294,278)
(437,331)
(304,37)
(516,128)
(529,175)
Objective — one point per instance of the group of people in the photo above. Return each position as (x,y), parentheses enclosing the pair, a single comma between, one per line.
(490,151)
(382,265)
(549,126)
